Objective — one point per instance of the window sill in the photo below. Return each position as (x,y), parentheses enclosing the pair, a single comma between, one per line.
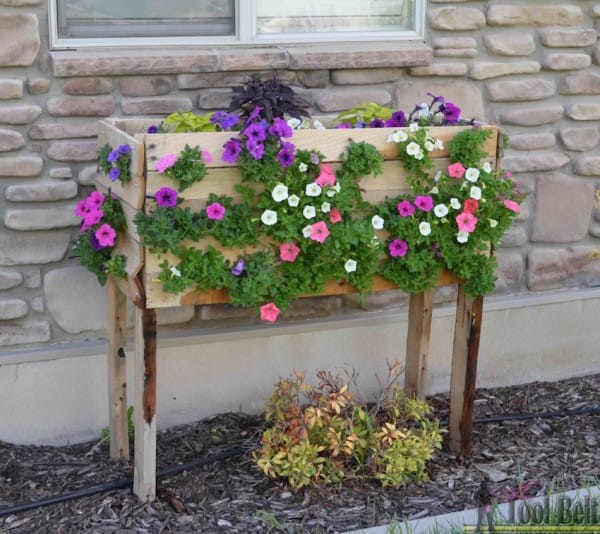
(118,62)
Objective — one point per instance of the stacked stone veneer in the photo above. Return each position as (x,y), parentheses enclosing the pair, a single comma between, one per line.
(530,67)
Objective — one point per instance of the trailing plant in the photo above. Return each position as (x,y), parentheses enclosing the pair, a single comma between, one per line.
(323,435)
(187,169)
(115,162)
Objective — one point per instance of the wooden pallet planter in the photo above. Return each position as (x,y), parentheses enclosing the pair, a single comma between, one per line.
(142,270)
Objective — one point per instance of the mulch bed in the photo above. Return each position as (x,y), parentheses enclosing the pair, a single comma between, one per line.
(521,458)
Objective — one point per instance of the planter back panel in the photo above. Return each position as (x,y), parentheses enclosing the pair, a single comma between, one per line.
(221,180)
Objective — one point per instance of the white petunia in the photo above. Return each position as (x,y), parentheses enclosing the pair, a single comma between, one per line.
(309,212)
(413,127)
(425,228)
(377,222)
(313,189)
(279,193)
(307,231)
(493,223)
(293,200)
(440,210)
(326,207)
(455,203)
(472,174)
(439,144)
(175,271)
(475,192)
(437,176)
(419,155)
(487,167)
(412,149)
(399,136)
(429,146)
(302,167)
(333,190)
(350,266)
(462,237)
(317,125)
(423,111)
(434,190)
(293,123)
(269,217)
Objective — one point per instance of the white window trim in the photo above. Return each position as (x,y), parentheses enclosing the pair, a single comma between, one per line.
(246,34)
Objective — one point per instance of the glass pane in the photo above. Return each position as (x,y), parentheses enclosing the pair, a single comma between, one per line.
(331,16)
(147,18)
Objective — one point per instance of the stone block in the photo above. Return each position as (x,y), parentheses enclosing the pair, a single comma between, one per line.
(317,78)
(38,86)
(32,278)
(534,141)
(556,61)
(482,70)
(61,172)
(41,218)
(229,79)
(41,191)
(87,174)
(132,62)
(584,112)
(88,86)
(440,69)
(145,86)
(19,114)
(10,279)
(456,18)
(587,166)
(17,166)
(521,90)
(363,56)
(37,304)
(584,83)
(13,309)
(18,248)
(580,139)
(364,76)
(563,209)
(509,43)
(515,236)
(20,334)
(155,105)
(510,272)
(10,140)
(10,89)
(214,99)
(253,59)
(19,39)
(76,151)
(465,94)
(552,268)
(534,14)
(454,42)
(532,116)
(20,3)
(81,106)
(535,161)
(63,130)
(339,100)
(563,38)
(455,52)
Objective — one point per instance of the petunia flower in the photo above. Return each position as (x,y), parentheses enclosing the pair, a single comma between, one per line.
(215,211)
(398,248)
(451,112)
(280,128)
(471,205)
(454,202)
(475,192)
(377,222)
(424,203)
(112,156)
(313,190)
(239,267)
(288,252)
(405,208)
(92,218)
(377,123)
(512,205)
(293,201)
(412,149)
(279,193)
(114,174)
(256,149)
(335,216)
(287,155)
(152,129)
(165,162)
(424,228)
(256,132)
(456,170)
(307,230)
(472,174)
(350,266)
(397,120)
(106,235)
(207,156)
(232,151)
(309,212)
(320,232)
(466,222)
(124,150)
(82,208)
(166,197)
(440,210)
(269,217)
(269,312)
(95,200)
(462,237)
(326,176)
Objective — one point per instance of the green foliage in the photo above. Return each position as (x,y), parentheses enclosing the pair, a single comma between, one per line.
(365,112)
(116,266)
(188,169)
(190,122)
(122,163)
(105,433)
(467,146)
(322,435)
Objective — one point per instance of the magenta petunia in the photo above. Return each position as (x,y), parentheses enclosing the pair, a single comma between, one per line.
(92,218)
(106,235)
(166,197)
(82,208)
(215,211)
(424,203)
(207,156)
(398,248)
(405,208)
(95,200)
(239,267)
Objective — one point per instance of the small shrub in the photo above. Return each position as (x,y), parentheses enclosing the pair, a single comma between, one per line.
(322,434)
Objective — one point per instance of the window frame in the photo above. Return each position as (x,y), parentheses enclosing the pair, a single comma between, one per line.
(246,34)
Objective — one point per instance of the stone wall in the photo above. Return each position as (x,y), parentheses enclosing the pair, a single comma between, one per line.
(529,67)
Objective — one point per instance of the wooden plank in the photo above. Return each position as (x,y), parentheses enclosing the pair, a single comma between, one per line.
(133,251)
(117,372)
(420,309)
(133,192)
(144,476)
(129,210)
(463,376)
(331,143)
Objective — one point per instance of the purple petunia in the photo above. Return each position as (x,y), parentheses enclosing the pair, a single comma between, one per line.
(224,120)
(398,248)
(287,154)
(94,242)
(398,120)
(314,158)
(152,129)
(451,112)
(280,128)
(124,149)
(377,123)
(233,147)
(238,268)
(166,197)
(257,150)
(215,211)
(114,174)
(254,115)
(256,132)
(436,99)
(113,156)
(360,124)
(343,126)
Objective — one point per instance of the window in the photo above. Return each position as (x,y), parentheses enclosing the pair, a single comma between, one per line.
(81,23)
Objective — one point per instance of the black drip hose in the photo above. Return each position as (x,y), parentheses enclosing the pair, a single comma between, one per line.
(232,453)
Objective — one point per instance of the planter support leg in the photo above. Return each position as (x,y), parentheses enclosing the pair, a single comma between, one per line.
(467,332)
(144,478)
(117,374)
(417,344)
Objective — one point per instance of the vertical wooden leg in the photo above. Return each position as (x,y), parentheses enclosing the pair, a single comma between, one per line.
(417,343)
(467,330)
(117,374)
(144,478)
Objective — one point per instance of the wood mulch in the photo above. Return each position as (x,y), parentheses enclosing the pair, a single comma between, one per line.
(519,457)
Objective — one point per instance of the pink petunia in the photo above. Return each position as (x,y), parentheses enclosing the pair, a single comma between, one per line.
(405,208)
(466,222)
(165,163)
(92,217)
(424,203)
(398,248)
(471,205)
(269,312)
(106,235)
(456,170)
(327,176)
(335,216)
(288,252)
(215,211)
(207,156)
(82,208)
(512,205)
(320,232)
(95,200)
